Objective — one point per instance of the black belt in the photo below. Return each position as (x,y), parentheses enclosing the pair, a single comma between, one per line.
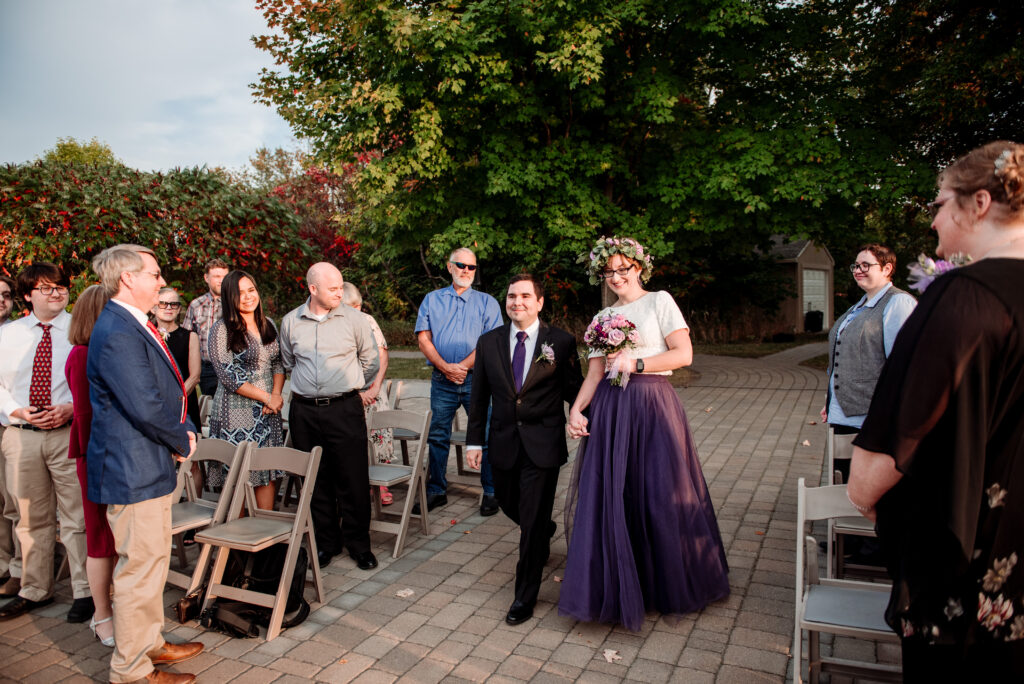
(322,401)
(35,428)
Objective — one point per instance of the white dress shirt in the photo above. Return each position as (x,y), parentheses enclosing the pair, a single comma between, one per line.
(18,342)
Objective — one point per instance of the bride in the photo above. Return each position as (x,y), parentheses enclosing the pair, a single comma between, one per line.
(642,531)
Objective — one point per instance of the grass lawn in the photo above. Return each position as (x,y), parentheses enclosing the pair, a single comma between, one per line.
(819,362)
(408,369)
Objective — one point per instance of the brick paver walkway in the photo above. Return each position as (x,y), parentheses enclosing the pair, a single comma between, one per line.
(751,419)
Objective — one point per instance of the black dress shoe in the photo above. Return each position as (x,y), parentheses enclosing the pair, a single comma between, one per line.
(323,558)
(365,560)
(81,609)
(20,606)
(433,501)
(519,613)
(488,505)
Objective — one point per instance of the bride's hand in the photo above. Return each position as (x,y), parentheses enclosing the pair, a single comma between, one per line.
(620,361)
(577,426)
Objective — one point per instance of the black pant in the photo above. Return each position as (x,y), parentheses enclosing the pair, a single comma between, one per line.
(526,494)
(996,662)
(207,379)
(343,481)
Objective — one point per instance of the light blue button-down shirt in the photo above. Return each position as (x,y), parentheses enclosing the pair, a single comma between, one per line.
(456,321)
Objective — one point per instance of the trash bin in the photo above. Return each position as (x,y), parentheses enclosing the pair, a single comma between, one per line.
(814,321)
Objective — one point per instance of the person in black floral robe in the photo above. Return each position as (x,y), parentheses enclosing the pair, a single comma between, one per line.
(939,463)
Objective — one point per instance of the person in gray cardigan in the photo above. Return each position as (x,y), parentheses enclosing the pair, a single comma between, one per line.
(859,343)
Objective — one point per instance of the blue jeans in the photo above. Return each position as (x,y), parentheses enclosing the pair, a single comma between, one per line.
(445,399)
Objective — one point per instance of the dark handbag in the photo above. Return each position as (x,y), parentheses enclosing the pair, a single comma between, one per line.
(188,607)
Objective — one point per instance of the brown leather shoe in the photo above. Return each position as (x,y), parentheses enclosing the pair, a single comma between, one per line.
(176,653)
(161,677)
(11,587)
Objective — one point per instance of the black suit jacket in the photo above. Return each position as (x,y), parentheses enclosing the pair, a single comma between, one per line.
(533,417)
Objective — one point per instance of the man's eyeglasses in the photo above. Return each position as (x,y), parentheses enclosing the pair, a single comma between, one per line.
(623,272)
(47,290)
(459,265)
(156,274)
(862,266)
(168,305)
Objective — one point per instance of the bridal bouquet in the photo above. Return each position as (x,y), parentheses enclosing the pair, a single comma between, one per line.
(608,333)
(927,269)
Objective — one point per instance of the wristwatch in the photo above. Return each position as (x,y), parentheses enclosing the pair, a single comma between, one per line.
(639,365)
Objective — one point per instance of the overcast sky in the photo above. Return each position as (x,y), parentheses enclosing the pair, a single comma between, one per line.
(165,83)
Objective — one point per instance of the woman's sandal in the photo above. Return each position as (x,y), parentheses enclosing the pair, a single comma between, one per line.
(94,623)
(386,499)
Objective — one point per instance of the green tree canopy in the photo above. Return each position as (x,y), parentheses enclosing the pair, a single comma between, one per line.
(70,151)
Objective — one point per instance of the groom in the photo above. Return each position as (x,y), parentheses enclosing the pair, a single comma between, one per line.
(525,369)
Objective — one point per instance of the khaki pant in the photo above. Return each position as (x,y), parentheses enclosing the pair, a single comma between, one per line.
(44,481)
(142,535)
(10,550)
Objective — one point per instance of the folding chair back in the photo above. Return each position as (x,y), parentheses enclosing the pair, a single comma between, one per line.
(389,475)
(261,528)
(196,512)
(839,607)
(205,406)
(845,526)
(400,391)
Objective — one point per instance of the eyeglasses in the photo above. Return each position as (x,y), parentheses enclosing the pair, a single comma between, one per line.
(862,266)
(168,305)
(623,272)
(46,291)
(156,274)
(460,265)
(935,207)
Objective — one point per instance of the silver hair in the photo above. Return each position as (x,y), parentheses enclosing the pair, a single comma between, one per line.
(113,261)
(455,251)
(350,295)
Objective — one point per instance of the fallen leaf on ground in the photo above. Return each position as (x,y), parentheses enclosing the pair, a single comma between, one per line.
(556,578)
(343,661)
(806,442)
(468,532)
(759,532)
(611,655)
(455,522)
(812,422)
(404,593)
(709,409)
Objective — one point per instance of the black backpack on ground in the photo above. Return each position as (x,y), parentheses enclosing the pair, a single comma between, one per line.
(260,571)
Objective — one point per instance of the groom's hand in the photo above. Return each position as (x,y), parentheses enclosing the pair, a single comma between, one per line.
(474,457)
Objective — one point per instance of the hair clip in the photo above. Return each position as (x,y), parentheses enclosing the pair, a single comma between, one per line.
(1001,160)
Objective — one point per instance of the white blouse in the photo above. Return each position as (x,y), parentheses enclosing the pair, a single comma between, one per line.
(656,316)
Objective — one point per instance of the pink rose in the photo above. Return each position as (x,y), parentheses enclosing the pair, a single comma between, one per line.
(616,337)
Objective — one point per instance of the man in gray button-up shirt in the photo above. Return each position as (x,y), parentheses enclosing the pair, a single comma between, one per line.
(331,354)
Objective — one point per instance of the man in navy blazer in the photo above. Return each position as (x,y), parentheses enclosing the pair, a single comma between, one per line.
(139,428)
(525,370)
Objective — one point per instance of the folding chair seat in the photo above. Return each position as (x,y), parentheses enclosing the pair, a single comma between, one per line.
(261,528)
(389,475)
(851,526)
(196,512)
(833,606)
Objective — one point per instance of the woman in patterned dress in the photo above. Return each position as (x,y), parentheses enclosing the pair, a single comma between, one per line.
(245,354)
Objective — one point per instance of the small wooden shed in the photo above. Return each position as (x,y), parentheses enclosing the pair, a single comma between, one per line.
(809,268)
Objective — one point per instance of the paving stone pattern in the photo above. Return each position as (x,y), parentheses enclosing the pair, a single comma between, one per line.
(750,419)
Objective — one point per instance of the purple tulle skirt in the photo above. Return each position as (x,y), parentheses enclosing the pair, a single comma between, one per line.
(642,530)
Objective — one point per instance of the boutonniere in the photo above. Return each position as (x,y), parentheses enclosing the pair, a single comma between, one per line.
(164,333)
(926,270)
(547,354)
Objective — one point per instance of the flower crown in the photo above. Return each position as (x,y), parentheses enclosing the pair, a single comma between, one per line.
(606,247)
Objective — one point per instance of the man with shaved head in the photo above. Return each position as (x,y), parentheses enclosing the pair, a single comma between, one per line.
(331,354)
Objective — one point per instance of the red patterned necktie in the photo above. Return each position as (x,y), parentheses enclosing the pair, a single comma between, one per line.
(177,373)
(42,370)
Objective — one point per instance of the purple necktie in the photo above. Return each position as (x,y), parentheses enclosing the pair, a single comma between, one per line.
(519,359)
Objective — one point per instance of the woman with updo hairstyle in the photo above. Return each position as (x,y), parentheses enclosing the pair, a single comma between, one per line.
(247,405)
(939,461)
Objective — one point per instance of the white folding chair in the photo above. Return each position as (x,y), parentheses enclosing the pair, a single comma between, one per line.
(197,512)
(832,606)
(402,391)
(205,406)
(839,528)
(261,529)
(389,475)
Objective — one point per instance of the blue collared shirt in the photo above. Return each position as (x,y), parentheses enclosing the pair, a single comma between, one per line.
(456,321)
